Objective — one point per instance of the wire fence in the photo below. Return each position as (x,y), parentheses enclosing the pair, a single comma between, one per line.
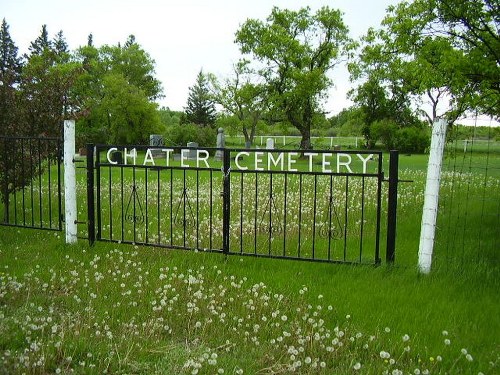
(468,228)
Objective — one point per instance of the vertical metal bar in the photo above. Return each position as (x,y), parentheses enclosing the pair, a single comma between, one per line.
(110,176)
(90,194)
(314,216)
(49,180)
(271,202)
(121,203)
(146,221)
(59,189)
(362,224)
(211,210)
(184,195)
(23,176)
(158,204)
(134,197)
(197,208)
(256,209)
(40,208)
(171,207)
(392,206)
(284,213)
(98,193)
(241,213)
(346,215)
(379,208)
(330,209)
(300,213)
(5,182)
(31,184)
(226,202)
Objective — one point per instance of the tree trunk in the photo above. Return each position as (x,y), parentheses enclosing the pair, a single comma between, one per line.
(305,142)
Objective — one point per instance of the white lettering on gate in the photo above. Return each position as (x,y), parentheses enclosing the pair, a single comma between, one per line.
(184,157)
(167,152)
(261,162)
(237,160)
(275,162)
(345,164)
(108,155)
(148,158)
(292,161)
(365,160)
(132,154)
(258,159)
(325,163)
(204,159)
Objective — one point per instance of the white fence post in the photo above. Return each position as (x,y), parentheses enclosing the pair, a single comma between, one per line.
(431,197)
(70,210)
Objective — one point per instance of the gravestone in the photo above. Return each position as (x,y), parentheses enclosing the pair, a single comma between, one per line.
(156,140)
(192,153)
(221,143)
(270,144)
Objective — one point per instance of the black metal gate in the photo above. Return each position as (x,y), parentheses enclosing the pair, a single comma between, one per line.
(30,178)
(318,205)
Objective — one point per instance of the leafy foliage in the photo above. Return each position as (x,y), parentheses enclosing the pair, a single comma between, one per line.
(116,93)
(438,50)
(295,50)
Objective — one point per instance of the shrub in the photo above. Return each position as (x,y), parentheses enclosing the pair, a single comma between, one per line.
(180,135)
(412,140)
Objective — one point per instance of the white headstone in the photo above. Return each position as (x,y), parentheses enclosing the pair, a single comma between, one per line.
(192,153)
(156,140)
(221,143)
(270,144)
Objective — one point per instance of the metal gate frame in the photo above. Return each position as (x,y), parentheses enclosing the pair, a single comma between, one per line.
(164,175)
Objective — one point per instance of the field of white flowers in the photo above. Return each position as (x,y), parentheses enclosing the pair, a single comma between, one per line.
(135,310)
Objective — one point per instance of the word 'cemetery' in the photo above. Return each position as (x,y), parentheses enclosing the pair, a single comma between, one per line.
(255,160)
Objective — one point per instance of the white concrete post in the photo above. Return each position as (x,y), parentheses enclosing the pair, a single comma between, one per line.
(431,197)
(69,181)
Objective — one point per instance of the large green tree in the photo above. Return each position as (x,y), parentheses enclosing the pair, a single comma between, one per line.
(200,109)
(116,94)
(10,158)
(443,52)
(46,85)
(295,50)
(10,76)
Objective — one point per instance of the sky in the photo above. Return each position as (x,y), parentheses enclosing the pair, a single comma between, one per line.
(182,36)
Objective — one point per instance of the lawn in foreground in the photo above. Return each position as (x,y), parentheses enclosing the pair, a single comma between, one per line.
(127,309)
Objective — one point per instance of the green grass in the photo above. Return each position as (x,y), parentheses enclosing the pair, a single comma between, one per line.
(118,308)
(129,309)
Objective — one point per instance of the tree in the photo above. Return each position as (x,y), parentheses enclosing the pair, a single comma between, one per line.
(10,76)
(11,177)
(442,50)
(296,50)
(200,108)
(242,98)
(117,93)
(46,85)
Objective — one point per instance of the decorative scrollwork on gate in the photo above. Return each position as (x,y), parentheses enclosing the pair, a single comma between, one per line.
(134,212)
(271,220)
(180,217)
(331,227)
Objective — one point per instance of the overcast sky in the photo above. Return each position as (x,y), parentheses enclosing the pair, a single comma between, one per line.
(182,36)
